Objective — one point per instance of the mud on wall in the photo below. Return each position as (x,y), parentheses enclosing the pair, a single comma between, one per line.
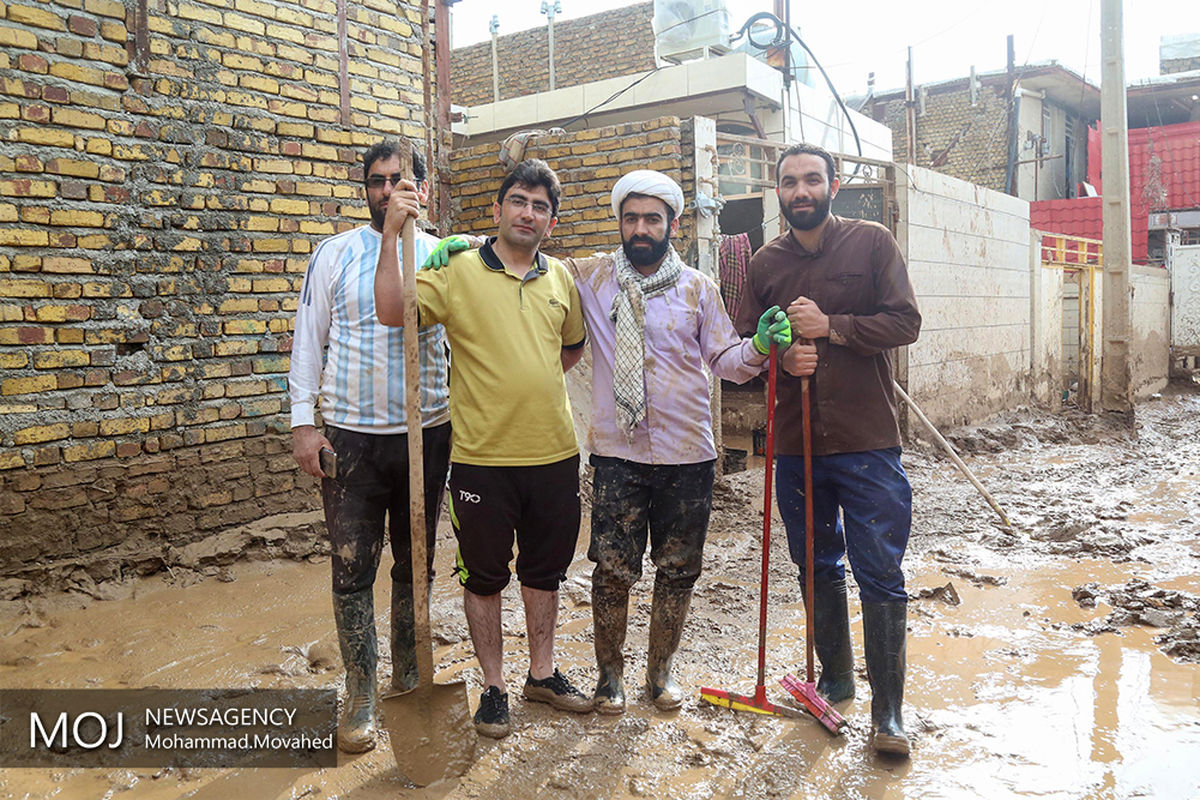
(968,251)
(157,208)
(1150,312)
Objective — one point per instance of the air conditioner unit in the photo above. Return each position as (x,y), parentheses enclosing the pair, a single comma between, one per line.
(690,28)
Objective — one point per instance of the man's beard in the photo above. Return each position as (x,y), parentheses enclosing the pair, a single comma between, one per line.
(378,215)
(807,220)
(645,257)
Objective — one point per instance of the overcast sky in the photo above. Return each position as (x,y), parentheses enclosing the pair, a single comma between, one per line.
(854,38)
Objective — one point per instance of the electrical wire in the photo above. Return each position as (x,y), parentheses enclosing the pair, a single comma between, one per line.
(790,33)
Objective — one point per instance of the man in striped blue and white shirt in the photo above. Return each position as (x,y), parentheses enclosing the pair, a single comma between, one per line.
(342,355)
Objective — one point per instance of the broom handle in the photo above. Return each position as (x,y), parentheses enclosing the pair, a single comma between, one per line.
(766,537)
(806,425)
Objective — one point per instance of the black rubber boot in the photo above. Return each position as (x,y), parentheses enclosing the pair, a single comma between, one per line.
(404,655)
(355,617)
(667,615)
(831,629)
(884,628)
(610,614)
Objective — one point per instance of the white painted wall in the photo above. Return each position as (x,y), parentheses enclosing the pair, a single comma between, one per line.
(1046,334)
(1149,354)
(968,251)
(1184,264)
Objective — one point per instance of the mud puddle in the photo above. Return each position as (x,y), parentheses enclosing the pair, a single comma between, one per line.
(1015,689)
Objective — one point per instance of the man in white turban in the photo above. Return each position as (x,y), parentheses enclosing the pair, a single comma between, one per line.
(654,323)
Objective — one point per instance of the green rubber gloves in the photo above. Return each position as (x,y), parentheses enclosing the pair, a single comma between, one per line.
(773,326)
(446,247)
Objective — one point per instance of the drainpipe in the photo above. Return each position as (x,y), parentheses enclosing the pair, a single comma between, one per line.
(494,28)
(441,57)
(550,9)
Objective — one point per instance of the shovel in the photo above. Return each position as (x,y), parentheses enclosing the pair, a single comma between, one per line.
(806,691)
(429,727)
(758,703)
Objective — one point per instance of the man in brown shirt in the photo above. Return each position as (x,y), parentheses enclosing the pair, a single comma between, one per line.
(846,289)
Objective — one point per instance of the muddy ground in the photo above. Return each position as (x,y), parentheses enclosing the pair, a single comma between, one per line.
(1058,659)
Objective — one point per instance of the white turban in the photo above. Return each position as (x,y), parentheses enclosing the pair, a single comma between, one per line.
(650,183)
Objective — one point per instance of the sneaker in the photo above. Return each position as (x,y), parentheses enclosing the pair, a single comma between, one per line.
(558,692)
(491,719)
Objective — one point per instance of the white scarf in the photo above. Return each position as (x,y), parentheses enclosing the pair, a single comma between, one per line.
(629,314)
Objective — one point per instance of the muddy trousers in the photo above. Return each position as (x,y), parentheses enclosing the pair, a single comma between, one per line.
(371,487)
(669,506)
(862,508)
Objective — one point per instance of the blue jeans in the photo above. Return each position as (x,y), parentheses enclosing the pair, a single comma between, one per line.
(872,492)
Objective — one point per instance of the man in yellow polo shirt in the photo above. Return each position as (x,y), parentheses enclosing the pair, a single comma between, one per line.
(514,323)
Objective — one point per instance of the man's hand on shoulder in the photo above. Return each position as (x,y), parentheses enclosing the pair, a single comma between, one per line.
(447,247)
(808,319)
(307,442)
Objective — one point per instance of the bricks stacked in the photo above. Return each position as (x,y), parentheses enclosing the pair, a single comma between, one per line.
(157,211)
(588,163)
(592,48)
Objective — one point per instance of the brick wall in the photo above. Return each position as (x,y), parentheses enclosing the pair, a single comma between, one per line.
(157,209)
(1169,66)
(954,137)
(592,48)
(588,163)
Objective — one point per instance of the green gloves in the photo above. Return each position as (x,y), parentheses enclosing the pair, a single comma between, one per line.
(773,326)
(440,256)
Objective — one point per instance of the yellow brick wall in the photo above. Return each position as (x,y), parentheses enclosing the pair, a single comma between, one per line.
(591,48)
(154,231)
(588,163)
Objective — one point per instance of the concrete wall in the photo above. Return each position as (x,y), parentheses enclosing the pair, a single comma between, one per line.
(155,223)
(968,251)
(1150,310)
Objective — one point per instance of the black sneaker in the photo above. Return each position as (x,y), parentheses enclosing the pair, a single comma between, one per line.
(558,692)
(491,719)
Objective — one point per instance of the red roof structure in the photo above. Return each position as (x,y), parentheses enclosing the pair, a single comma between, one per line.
(1164,175)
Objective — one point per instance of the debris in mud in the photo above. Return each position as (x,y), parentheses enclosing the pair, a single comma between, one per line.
(947,594)
(1086,595)
(974,577)
(1139,602)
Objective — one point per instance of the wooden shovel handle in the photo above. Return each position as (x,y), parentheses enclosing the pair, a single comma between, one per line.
(416,453)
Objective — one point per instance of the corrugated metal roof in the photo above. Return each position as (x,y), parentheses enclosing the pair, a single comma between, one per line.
(1164,174)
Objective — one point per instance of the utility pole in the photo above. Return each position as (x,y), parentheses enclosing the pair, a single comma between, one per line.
(1115,380)
(494,29)
(550,9)
(910,113)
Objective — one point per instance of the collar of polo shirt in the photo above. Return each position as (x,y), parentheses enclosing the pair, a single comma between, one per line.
(493,262)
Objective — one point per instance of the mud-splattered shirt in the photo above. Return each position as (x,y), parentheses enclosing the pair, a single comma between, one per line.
(343,354)
(857,277)
(686,329)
